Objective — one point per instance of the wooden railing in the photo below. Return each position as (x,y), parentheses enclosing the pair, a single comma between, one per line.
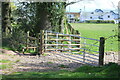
(31,43)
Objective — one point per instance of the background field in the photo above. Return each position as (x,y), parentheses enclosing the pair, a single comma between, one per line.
(99,30)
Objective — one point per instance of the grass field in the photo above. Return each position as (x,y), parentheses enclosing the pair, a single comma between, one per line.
(99,30)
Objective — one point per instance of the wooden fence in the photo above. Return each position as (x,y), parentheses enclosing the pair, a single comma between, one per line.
(69,44)
(31,43)
(61,42)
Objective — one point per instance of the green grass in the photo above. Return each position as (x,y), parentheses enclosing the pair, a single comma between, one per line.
(5,64)
(50,62)
(5,61)
(106,71)
(99,30)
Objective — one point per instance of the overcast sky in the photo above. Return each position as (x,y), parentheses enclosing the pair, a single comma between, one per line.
(91,5)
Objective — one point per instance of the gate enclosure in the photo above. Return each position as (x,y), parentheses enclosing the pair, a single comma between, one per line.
(74,46)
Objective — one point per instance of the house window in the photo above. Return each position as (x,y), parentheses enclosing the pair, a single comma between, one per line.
(69,15)
(100,17)
(108,16)
(92,12)
(90,17)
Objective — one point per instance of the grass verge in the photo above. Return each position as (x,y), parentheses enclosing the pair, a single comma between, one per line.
(111,70)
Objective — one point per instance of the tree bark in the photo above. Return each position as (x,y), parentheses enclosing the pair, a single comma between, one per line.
(6,24)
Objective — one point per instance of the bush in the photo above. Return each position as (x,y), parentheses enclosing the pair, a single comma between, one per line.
(17,39)
(99,21)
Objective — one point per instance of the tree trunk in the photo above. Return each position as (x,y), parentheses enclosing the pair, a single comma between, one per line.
(62,25)
(6,27)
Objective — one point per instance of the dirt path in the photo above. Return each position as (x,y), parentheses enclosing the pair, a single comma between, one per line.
(48,62)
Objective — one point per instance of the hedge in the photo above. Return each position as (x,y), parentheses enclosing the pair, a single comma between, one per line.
(99,21)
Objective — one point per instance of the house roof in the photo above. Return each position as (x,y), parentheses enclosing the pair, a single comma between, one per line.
(98,13)
(98,10)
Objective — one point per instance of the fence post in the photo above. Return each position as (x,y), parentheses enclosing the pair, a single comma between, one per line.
(41,46)
(78,34)
(101,51)
(46,40)
(70,42)
(57,42)
(84,50)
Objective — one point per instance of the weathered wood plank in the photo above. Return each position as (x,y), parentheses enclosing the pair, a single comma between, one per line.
(92,54)
(63,39)
(33,38)
(65,49)
(29,47)
(62,44)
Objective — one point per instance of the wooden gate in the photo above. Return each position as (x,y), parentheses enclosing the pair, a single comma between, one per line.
(75,46)
(61,42)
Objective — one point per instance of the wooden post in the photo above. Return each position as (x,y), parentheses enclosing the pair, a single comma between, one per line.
(41,42)
(101,51)
(46,40)
(70,42)
(57,42)
(78,42)
(84,50)
(38,44)
(62,43)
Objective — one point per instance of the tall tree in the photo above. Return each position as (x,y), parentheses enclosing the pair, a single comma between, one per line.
(6,10)
(38,16)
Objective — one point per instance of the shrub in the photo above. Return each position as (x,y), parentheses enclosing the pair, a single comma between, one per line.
(99,21)
(63,66)
(17,39)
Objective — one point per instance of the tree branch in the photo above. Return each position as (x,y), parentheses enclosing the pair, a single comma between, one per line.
(73,2)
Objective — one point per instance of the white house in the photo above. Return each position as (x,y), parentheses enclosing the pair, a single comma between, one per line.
(98,14)
(72,16)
